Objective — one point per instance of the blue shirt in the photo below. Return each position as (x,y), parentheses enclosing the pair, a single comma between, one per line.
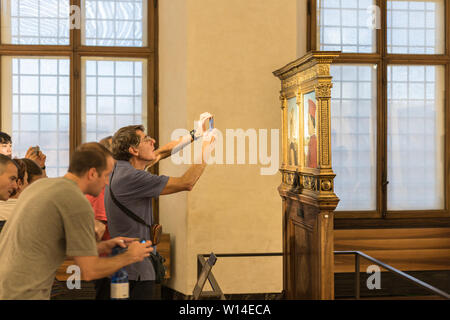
(135,189)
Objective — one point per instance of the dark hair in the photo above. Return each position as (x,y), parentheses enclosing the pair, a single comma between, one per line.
(123,139)
(21,168)
(89,155)
(4,160)
(33,169)
(5,138)
(105,142)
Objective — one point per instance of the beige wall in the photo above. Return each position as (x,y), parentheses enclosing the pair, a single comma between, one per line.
(302,7)
(218,56)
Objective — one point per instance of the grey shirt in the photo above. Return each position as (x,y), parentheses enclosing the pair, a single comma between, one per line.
(135,189)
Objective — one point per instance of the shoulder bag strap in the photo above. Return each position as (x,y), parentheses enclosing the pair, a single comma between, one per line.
(127,211)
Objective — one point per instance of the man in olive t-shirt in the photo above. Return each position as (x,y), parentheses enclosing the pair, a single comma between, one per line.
(53,219)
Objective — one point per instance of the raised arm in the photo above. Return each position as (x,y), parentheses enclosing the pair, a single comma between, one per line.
(191,176)
(177,145)
(186,182)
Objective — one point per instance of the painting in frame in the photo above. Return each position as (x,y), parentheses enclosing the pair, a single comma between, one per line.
(310,129)
(293,132)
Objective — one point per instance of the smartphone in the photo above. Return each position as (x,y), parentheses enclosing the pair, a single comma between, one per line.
(36,150)
(211,123)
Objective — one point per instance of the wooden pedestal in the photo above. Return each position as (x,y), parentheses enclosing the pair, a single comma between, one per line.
(308,260)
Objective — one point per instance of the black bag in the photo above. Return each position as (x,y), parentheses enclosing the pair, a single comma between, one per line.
(155,233)
(158,264)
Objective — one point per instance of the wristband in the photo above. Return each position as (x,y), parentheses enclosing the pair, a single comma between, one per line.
(43,168)
(192,133)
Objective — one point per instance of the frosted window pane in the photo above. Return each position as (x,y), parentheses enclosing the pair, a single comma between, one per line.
(344,26)
(113,88)
(29,84)
(105,105)
(64,104)
(125,86)
(41,118)
(28,103)
(415,138)
(49,104)
(114,23)
(37,22)
(415,27)
(353,134)
(48,122)
(49,85)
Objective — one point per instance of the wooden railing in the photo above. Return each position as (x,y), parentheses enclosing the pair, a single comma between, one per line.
(396,272)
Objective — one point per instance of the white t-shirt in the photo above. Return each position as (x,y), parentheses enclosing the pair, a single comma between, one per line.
(7,208)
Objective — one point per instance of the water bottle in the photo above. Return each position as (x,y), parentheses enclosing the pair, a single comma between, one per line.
(119,280)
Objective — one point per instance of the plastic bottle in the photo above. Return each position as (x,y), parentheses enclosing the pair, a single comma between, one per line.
(119,280)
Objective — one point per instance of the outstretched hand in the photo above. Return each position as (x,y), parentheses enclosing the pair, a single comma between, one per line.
(202,123)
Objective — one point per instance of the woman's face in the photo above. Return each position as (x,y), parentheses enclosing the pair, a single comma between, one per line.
(6,149)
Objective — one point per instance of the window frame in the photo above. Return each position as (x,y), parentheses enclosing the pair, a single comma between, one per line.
(75,51)
(383,59)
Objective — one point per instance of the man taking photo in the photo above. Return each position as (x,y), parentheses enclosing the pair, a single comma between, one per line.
(134,188)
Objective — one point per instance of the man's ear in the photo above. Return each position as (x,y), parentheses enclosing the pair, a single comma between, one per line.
(92,173)
(133,151)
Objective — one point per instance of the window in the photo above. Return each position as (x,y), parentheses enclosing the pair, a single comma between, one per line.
(415,132)
(36,22)
(353,135)
(115,23)
(343,26)
(39,113)
(415,27)
(62,86)
(389,96)
(113,96)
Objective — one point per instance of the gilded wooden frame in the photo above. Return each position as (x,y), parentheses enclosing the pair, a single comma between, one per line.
(310,74)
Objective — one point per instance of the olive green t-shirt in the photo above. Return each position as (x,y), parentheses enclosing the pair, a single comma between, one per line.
(52,220)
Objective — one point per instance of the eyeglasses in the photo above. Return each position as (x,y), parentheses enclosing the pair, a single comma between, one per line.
(146,139)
